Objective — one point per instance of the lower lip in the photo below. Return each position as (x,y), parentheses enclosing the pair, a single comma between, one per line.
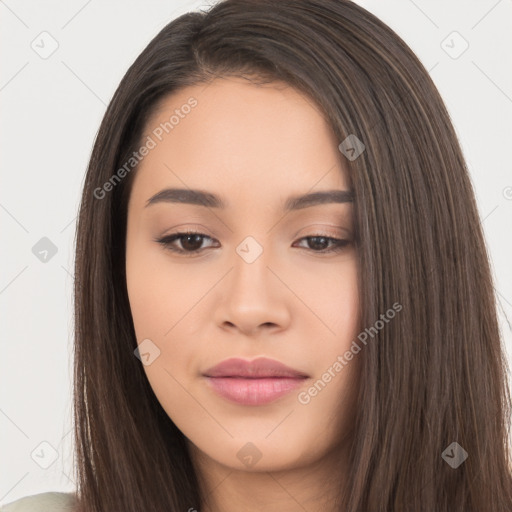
(253,391)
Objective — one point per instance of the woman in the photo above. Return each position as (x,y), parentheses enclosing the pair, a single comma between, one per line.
(283,296)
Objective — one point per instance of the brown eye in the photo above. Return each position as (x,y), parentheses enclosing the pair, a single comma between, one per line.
(190,242)
(320,243)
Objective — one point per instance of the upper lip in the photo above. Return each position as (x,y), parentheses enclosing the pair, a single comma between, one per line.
(258,368)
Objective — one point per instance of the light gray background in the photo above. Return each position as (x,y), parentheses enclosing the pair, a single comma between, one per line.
(51,109)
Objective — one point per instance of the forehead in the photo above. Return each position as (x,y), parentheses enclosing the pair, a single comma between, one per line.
(232,135)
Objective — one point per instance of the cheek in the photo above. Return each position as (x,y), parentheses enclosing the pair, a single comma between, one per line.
(159,293)
(158,301)
(162,297)
(331,293)
(333,298)
(146,294)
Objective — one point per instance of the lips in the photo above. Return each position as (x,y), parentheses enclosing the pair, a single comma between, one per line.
(255,382)
(258,368)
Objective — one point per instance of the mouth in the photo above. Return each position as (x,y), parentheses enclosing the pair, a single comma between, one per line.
(255,382)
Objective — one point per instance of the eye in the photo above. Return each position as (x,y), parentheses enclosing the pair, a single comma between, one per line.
(321,241)
(191,242)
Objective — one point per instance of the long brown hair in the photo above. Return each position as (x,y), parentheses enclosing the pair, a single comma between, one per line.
(434,376)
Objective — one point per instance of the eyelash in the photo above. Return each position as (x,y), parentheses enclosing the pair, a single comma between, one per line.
(166,241)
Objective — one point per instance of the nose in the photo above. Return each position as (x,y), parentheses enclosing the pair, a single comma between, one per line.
(254,298)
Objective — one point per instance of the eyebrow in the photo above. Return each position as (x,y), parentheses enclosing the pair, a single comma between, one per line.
(210,200)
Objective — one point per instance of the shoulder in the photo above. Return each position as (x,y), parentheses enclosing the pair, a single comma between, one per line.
(43,502)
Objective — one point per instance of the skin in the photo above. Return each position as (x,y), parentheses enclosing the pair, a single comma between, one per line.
(254,146)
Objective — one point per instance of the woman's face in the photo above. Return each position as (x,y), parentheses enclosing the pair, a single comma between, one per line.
(253,285)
